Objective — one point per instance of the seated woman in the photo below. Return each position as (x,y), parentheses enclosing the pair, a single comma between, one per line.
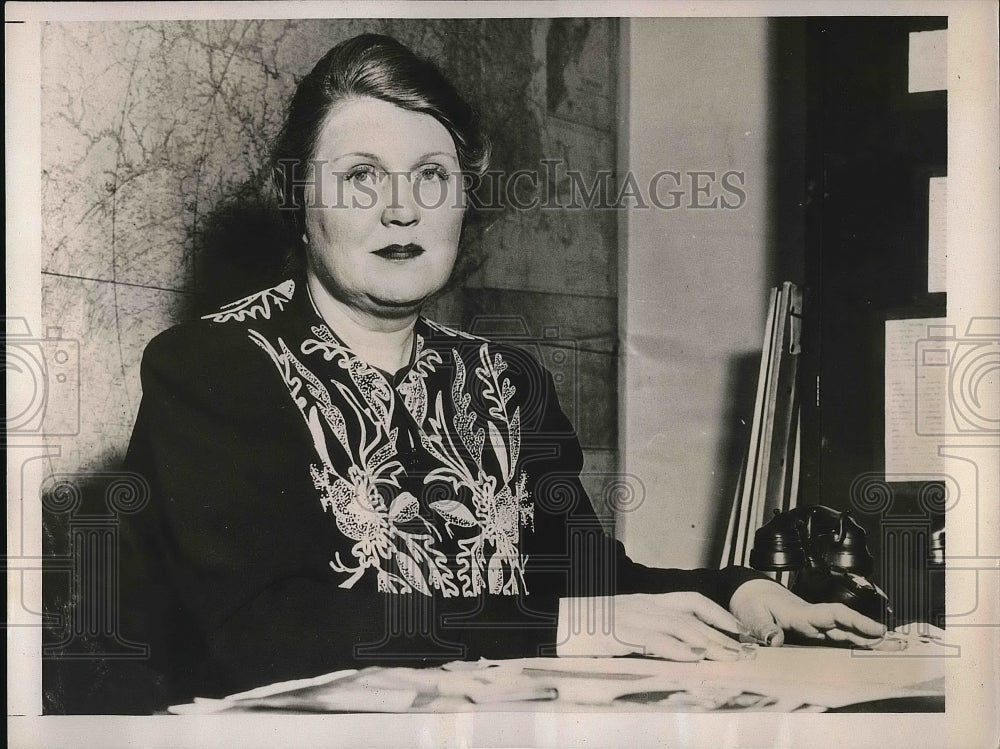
(339,482)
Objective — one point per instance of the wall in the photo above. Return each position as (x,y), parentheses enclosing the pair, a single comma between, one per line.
(153,137)
(695,279)
(554,264)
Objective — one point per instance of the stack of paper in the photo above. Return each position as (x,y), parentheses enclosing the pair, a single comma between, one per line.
(785,679)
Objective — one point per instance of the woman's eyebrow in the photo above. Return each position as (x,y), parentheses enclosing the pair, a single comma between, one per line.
(362,154)
(374,158)
(432,154)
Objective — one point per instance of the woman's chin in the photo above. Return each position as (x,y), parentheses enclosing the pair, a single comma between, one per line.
(398,305)
(407,295)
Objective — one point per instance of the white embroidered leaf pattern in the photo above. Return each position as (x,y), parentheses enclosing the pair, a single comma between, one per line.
(255,304)
(411,572)
(414,398)
(515,437)
(403,508)
(525,507)
(337,424)
(507,390)
(464,418)
(319,440)
(385,452)
(441,574)
(413,388)
(470,565)
(451,331)
(495,573)
(488,374)
(454,512)
(499,365)
(433,563)
(500,448)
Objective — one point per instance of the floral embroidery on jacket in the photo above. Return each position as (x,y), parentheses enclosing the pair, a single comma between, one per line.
(255,304)
(414,388)
(358,472)
(501,507)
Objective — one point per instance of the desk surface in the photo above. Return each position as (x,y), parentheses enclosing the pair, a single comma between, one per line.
(786,679)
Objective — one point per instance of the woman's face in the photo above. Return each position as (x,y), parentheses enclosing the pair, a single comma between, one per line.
(384,211)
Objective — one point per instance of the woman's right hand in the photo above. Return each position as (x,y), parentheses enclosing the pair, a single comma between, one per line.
(680,626)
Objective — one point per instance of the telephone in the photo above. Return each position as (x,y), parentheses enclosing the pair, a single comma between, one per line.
(827,551)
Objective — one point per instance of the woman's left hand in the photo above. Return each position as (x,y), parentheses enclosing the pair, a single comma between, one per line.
(768,609)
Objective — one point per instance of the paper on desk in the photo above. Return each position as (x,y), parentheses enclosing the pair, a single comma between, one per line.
(327,698)
(669,691)
(834,677)
(331,699)
(780,679)
(379,689)
(791,676)
(289,686)
(320,693)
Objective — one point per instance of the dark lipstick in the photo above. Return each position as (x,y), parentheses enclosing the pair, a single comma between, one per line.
(400,251)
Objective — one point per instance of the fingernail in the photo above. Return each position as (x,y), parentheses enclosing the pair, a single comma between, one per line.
(700,652)
(731,650)
(770,637)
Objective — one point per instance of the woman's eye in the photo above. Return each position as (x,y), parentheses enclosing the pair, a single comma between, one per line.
(363,174)
(429,173)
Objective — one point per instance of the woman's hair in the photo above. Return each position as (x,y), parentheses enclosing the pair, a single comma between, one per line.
(382,68)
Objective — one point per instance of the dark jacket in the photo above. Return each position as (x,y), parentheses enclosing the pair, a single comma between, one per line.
(309,512)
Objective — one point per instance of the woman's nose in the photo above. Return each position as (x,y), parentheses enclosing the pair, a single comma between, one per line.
(401,207)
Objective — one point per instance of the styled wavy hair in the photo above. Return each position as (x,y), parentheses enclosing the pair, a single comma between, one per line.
(380,67)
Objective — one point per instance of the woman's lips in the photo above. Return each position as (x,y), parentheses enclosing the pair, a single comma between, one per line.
(400,251)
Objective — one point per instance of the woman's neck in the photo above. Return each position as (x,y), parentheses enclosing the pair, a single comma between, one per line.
(385,343)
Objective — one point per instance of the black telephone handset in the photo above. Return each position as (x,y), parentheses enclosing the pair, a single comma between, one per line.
(827,550)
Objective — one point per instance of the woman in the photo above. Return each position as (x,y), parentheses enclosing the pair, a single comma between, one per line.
(337,481)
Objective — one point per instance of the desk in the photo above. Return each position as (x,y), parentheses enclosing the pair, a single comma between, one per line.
(786,679)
